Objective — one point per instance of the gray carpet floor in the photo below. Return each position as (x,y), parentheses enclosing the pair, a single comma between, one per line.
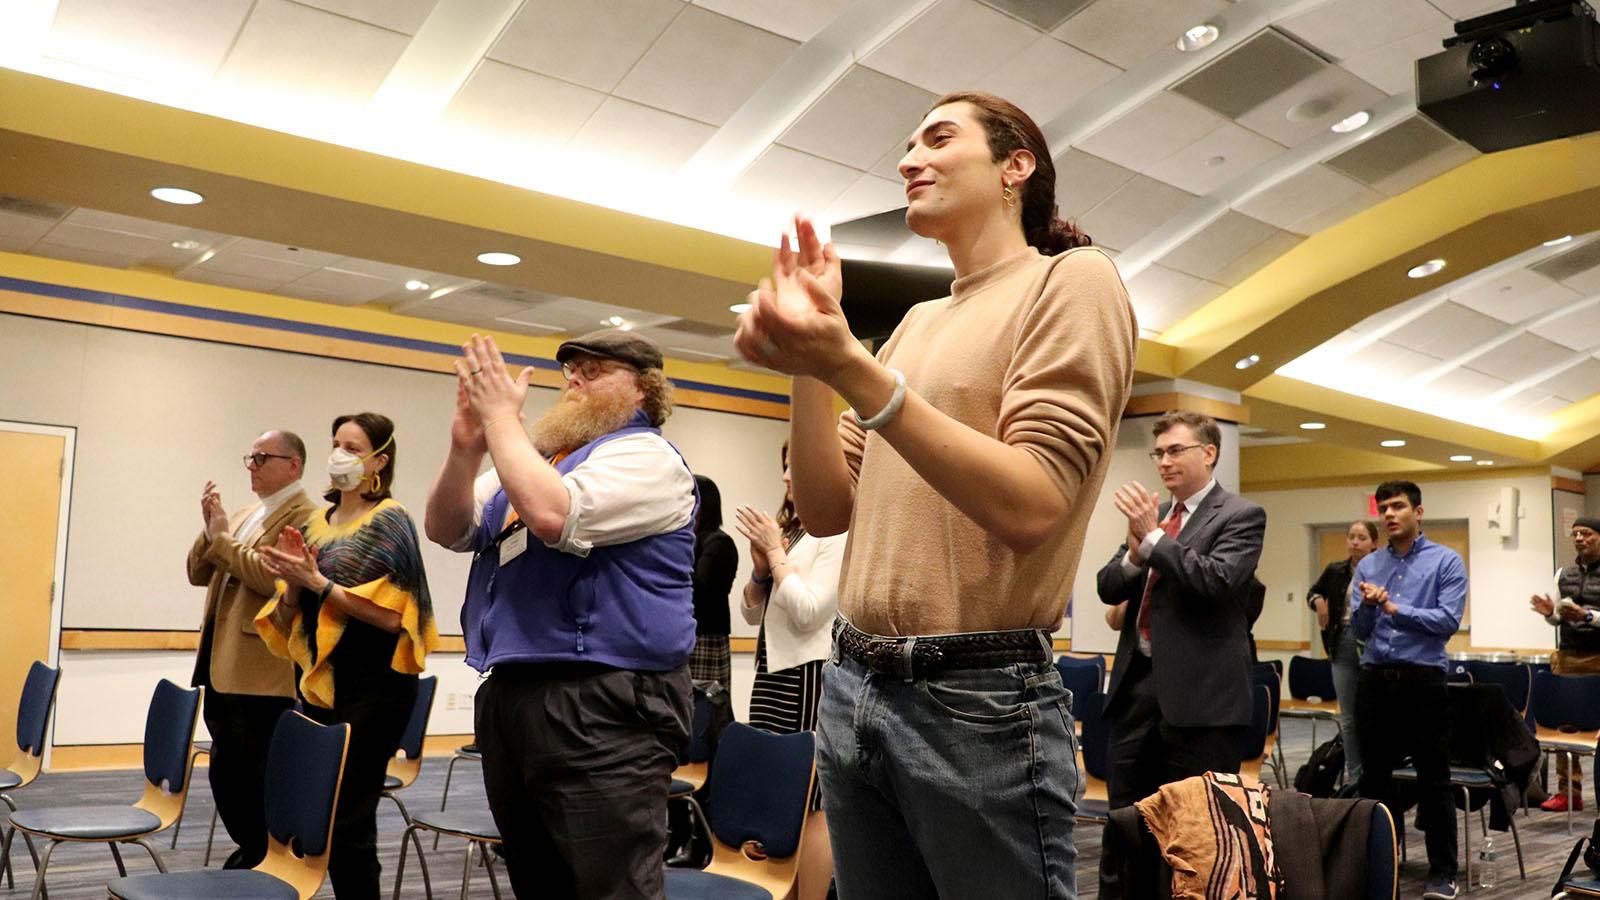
(81,871)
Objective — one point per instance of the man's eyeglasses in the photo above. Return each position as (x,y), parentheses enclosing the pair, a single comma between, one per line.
(590,368)
(259,459)
(1160,452)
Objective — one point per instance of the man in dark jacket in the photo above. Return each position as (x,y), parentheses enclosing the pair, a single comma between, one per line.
(1576,615)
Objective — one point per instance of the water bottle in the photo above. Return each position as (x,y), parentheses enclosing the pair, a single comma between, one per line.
(1487,876)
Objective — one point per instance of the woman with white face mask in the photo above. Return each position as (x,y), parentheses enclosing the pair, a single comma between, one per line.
(353,612)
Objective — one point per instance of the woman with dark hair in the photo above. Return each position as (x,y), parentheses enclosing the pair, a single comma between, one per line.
(966,472)
(353,612)
(1330,598)
(716,562)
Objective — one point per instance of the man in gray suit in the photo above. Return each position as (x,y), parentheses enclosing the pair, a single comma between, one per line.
(1179,702)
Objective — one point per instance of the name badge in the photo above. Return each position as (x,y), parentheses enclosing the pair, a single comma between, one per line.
(513,546)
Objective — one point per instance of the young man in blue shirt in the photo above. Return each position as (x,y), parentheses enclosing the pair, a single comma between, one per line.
(1411,595)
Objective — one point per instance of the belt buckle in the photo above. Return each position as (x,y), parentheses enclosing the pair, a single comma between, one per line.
(892,656)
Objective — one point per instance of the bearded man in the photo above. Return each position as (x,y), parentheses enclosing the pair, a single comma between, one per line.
(579,606)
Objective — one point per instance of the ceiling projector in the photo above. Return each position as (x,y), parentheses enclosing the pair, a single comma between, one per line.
(1519,76)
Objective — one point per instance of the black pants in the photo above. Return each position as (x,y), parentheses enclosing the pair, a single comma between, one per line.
(1145,753)
(241,731)
(577,761)
(377,714)
(1404,711)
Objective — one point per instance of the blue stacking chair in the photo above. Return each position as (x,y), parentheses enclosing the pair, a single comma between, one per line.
(760,790)
(1256,750)
(168,741)
(1093,749)
(33,719)
(1082,675)
(1383,857)
(1515,678)
(305,765)
(1270,676)
(1566,713)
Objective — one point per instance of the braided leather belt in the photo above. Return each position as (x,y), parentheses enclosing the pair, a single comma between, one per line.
(917,657)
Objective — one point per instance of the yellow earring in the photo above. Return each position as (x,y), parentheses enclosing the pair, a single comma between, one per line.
(1010,197)
(377,483)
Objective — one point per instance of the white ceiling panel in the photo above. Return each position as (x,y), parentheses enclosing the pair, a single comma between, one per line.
(306,63)
(639,138)
(1467,9)
(1133,211)
(1577,331)
(11,243)
(705,66)
(1392,68)
(1432,166)
(1307,193)
(1209,253)
(24,228)
(1577,383)
(1279,243)
(1047,77)
(1083,180)
(1216,159)
(1345,28)
(1466,385)
(796,21)
(338,286)
(1447,331)
(1124,32)
(404,16)
(1587,282)
(785,181)
(1308,109)
(862,113)
(951,46)
(271,271)
(86,255)
(513,106)
(94,218)
(1515,296)
(1363,199)
(1170,298)
(118,243)
(1393,360)
(227,279)
(593,43)
(1518,358)
(1151,131)
(162,41)
(869,195)
(466,307)
(299,256)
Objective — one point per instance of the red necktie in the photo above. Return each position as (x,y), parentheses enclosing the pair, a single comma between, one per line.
(1173,525)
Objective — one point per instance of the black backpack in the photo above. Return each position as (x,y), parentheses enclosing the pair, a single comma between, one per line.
(1319,776)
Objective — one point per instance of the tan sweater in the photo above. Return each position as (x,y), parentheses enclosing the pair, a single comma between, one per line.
(1034,351)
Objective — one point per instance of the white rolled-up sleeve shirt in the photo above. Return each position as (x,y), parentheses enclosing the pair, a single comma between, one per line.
(628,489)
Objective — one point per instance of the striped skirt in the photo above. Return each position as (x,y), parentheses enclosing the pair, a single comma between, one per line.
(785,702)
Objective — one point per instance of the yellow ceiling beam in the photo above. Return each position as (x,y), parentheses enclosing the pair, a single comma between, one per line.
(1479,213)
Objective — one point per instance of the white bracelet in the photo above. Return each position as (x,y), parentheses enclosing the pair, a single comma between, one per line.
(896,400)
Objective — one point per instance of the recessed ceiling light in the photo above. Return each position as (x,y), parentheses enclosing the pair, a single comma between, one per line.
(1461,457)
(1313,426)
(1485,462)
(1430,267)
(496,258)
(415,285)
(1555,242)
(1392,442)
(1247,362)
(1198,37)
(1352,122)
(185,245)
(1216,160)
(739,308)
(176,195)
(614,321)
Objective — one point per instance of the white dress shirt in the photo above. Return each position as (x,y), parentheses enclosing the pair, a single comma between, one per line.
(268,505)
(1148,545)
(629,488)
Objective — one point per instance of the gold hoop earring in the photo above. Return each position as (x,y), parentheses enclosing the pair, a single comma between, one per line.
(377,483)
(1010,196)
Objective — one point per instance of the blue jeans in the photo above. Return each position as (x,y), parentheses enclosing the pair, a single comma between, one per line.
(961,784)
(1346,665)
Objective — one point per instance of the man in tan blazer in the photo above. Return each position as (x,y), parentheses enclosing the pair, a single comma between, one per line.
(247,687)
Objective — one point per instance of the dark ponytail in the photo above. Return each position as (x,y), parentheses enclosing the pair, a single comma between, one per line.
(1010,129)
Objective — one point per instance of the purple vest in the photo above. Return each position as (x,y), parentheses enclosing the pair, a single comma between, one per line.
(627,605)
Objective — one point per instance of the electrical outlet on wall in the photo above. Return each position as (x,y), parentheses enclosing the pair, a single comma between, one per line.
(466,700)
(450,700)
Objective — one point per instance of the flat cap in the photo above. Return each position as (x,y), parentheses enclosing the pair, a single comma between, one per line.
(613,343)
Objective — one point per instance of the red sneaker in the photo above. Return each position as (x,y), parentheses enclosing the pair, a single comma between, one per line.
(1558,803)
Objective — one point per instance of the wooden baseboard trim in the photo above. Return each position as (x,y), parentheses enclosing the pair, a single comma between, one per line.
(99,757)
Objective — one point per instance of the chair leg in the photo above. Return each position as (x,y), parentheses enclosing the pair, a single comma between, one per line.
(488,863)
(210,836)
(422,863)
(116,854)
(400,869)
(1466,838)
(449,772)
(404,813)
(44,864)
(5,860)
(154,856)
(26,839)
(466,869)
(1516,840)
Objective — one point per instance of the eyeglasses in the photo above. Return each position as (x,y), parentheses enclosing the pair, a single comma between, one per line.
(259,459)
(1172,452)
(590,368)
